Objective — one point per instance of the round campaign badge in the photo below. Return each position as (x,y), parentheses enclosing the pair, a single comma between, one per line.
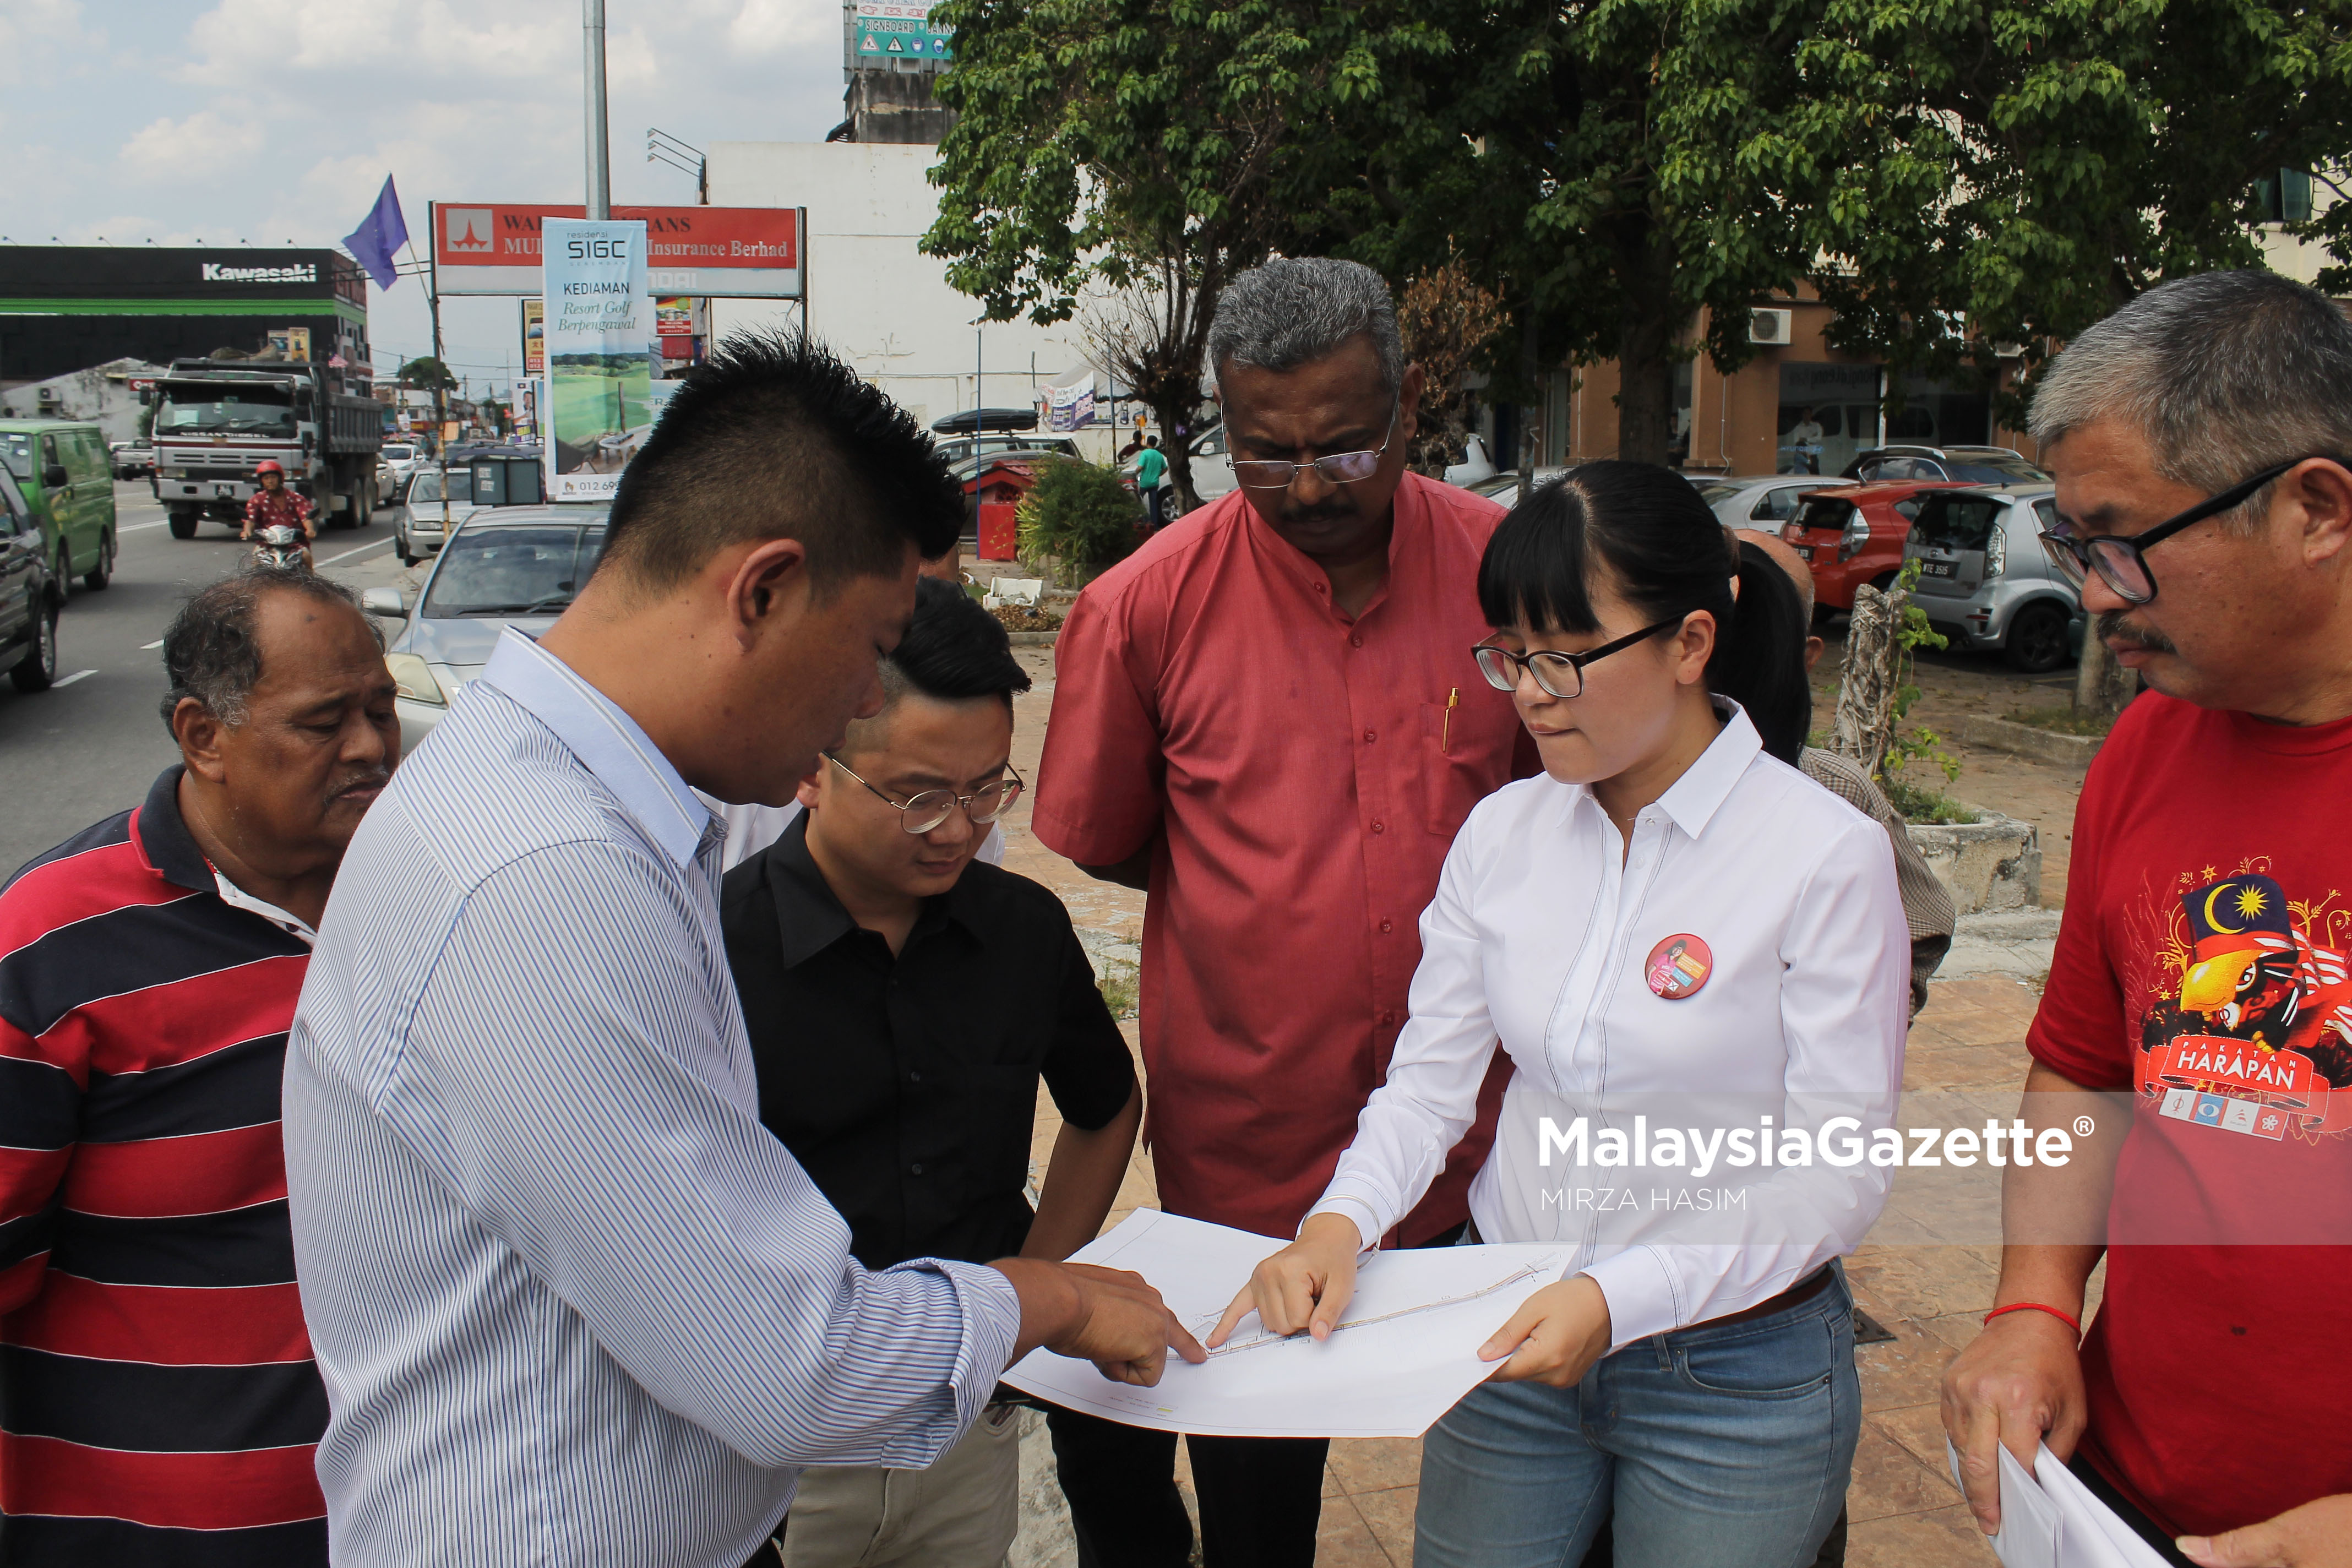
(1678,966)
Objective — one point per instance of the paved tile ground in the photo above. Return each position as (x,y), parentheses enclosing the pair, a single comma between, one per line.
(1927,1290)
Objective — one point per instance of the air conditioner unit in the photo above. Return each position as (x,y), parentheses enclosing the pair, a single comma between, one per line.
(1769,326)
(47,394)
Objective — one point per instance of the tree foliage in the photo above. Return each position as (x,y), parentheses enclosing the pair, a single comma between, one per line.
(1449,320)
(428,375)
(1080,514)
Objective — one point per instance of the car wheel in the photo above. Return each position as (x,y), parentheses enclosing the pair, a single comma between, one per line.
(62,576)
(38,669)
(2037,639)
(183,523)
(400,546)
(99,576)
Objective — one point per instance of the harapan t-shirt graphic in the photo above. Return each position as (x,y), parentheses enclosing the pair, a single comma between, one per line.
(2248,1024)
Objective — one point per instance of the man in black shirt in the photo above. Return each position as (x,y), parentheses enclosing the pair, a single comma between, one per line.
(902,1003)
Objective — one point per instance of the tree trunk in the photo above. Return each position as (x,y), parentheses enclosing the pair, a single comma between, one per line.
(2101,685)
(1864,725)
(1645,344)
(1530,414)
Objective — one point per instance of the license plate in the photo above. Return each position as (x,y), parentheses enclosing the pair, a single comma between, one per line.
(1938,569)
(227,492)
(1806,551)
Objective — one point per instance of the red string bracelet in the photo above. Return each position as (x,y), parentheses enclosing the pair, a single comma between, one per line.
(2064,1318)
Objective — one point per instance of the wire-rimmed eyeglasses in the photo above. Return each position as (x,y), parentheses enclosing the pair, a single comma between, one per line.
(1562,674)
(2121,559)
(926,811)
(1339,468)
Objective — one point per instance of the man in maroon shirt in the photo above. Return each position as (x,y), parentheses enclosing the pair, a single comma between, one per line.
(2200,989)
(1269,716)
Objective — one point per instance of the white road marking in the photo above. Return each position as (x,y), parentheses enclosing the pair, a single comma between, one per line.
(135,527)
(68,681)
(347,554)
(150,646)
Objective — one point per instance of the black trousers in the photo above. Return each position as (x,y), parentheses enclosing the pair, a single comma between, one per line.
(1261,1498)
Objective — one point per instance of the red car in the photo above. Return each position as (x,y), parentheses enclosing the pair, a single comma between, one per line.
(1856,535)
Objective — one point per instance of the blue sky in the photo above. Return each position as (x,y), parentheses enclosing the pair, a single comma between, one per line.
(271,120)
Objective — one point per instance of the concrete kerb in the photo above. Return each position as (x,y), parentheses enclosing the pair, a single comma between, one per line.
(1987,866)
(2027,740)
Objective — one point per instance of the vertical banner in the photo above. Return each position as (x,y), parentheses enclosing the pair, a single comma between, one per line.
(534,337)
(600,338)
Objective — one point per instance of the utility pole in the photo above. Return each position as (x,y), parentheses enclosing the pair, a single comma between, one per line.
(600,172)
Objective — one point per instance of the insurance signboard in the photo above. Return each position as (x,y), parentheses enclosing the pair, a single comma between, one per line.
(742,253)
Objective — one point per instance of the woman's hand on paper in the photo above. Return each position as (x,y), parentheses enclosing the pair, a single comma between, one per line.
(1305,1287)
(2316,1535)
(1554,1336)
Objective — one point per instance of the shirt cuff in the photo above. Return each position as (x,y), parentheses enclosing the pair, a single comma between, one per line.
(1642,1295)
(992,1318)
(1358,1212)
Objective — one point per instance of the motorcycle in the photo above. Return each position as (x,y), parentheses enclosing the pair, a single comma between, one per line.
(279,548)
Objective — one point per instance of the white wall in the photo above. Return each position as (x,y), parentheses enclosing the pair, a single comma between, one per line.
(90,394)
(874,297)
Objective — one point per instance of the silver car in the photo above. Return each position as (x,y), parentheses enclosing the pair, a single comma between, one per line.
(507,566)
(417,511)
(1984,579)
(1762,501)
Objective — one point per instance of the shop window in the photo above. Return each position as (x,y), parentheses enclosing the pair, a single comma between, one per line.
(1828,413)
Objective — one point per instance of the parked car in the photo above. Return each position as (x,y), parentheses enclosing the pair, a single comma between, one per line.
(1968,464)
(1856,535)
(28,601)
(1504,487)
(1761,500)
(1984,579)
(505,567)
(133,459)
(417,511)
(961,450)
(67,477)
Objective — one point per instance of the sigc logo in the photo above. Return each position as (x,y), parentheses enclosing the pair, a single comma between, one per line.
(599,248)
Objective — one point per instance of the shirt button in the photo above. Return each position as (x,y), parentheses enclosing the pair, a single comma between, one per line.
(1379,827)
(1389,1016)
(915,1169)
(1387,924)
(914,1077)
(1369,736)
(1356,639)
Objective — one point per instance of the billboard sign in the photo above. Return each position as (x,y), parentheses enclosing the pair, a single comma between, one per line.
(600,338)
(741,253)
(1070,407)
(898,30)
(534,336)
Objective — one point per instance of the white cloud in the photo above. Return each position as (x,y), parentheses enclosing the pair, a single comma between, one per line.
(203,144)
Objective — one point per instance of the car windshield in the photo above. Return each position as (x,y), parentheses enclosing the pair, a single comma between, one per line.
(17,451)
(1996,470)
(426,485)
(1712,493)
(399,454)
(1956,522)
(1822,511)
(531,570)
(193,406)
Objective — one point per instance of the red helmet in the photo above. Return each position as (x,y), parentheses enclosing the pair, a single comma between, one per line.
(269,466)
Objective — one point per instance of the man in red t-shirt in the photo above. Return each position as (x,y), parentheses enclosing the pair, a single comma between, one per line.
(1270,716)
(2200,437)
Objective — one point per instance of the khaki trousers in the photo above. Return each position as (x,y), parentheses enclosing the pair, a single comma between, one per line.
(959,1513)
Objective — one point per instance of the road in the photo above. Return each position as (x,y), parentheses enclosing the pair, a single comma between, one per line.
(91,744)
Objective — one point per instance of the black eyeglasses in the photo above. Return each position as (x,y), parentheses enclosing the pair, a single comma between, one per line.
(1562,674)
(2121,559)
(1339,468)
(927,810)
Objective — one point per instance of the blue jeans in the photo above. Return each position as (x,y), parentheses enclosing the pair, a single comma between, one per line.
(1711,1447)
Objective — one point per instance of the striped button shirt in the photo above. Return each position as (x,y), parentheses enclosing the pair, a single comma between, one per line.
(573,1304)
(157,1404)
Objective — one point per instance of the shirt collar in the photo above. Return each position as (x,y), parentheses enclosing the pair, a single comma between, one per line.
(810,917)
(238,898)
(164,837)
(607,742)
(1408,524)
(1693,799)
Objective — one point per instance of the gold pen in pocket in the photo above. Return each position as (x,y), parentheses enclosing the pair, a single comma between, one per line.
(1445,728)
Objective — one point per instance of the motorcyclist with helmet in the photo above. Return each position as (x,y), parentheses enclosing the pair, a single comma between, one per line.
(274,506)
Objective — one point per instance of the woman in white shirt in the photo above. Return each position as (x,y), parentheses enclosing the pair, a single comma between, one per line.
(1667,921)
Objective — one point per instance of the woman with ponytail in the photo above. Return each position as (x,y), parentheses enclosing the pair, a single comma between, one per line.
(1686,947)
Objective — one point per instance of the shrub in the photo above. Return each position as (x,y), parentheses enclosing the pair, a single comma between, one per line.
(1081,514)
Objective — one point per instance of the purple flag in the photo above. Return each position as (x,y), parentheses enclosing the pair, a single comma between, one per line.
(380,233)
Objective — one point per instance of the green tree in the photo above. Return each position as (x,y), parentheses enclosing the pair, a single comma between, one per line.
(2041,162)
(427,374)
(1155,148)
